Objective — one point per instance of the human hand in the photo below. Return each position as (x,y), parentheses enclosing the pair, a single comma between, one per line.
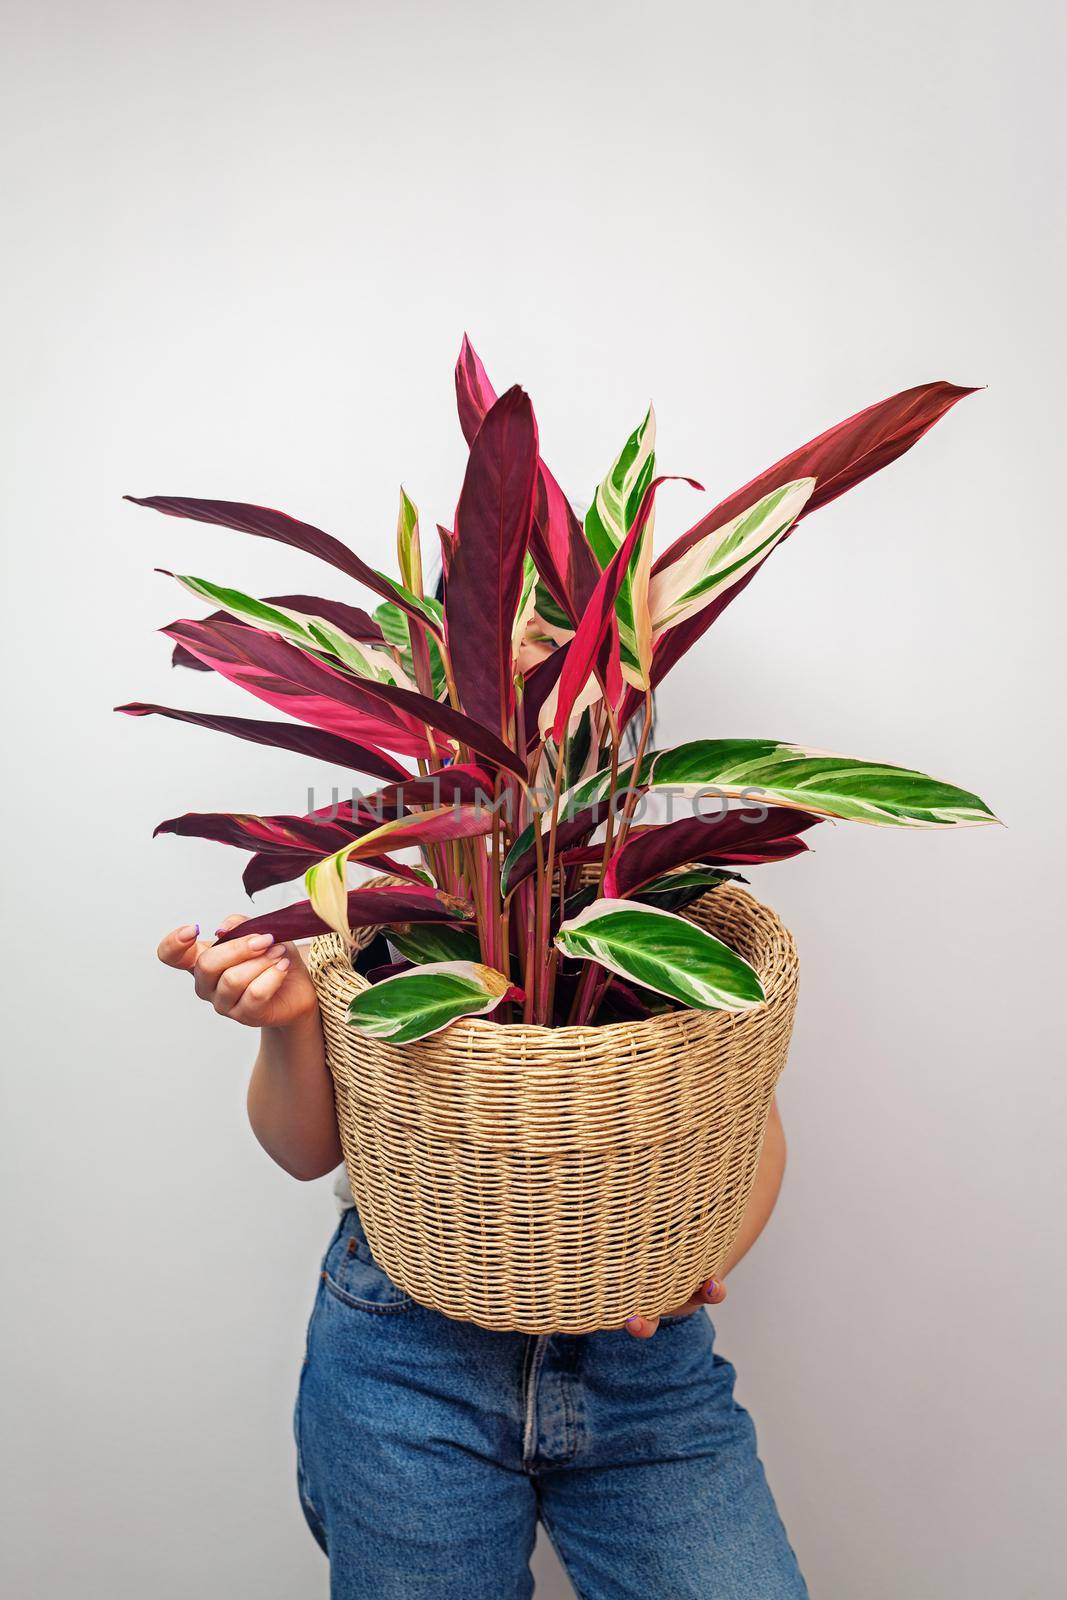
(711,1293)
(252,980)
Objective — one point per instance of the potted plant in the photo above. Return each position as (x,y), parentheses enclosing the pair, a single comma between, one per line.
(552,1080)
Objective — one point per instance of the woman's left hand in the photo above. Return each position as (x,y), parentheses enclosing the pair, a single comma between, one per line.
(712,1293)
(760,1205)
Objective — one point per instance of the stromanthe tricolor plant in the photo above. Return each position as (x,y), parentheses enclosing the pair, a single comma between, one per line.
(494,725)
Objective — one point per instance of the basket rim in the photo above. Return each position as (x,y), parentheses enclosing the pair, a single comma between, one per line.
(330,950)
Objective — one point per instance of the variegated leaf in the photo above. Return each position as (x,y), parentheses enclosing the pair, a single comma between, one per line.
(597,788)
(408,548)
(588,696)
(394,625)
(527,602)
(299,628)
(326,881)
(663,952)
(771,773)
(435,943)
(676,890)
(607,522)
(415,1004)
(722,558)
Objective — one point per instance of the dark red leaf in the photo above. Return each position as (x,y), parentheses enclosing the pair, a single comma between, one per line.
(569,564)
(284,846)
(732,838)
(268,524)
(312,742)
(265,870)
(463,784)
(474,393)
(279,834)
(493,521)
(371,907)
(389,969)
(270,867)
(838,460)
(448,548)
(537,684)
(558,544)
(625,1002)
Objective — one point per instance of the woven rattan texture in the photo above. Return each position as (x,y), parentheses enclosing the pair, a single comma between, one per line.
(560,1179)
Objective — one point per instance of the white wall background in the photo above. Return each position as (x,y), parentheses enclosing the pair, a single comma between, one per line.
(242,242)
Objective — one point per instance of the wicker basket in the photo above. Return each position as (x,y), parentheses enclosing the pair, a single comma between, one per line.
(559,1179)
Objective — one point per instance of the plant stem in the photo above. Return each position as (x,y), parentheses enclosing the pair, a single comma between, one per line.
(552,956)
(632,793)
(581,1010)
(609,825)
(495,908)
(538,931)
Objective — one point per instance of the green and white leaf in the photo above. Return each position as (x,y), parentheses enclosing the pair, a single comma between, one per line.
(607,522)
(408,547)
(597,787)
(722,558)
(527,601)
(309,632)
(676,890)
(524,840)
(327,887)
(327,880)
(394,625)
(579,753)
(363,659)
(415,1004)
(434,942)
(427,607)
(662,952)
(553,616)
(772,773)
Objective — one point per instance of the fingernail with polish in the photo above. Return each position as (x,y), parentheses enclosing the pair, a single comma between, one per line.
(189,932)
(283,965)
(632,1322)
(711,1288)
(261,941)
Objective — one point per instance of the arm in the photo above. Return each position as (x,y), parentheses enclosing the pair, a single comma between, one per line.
(267,986)
(765,1190)
(761,1203)
(290,1099)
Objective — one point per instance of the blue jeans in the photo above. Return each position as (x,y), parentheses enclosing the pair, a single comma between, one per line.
(428,1450)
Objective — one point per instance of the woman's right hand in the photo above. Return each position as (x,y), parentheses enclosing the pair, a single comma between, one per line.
(252,980)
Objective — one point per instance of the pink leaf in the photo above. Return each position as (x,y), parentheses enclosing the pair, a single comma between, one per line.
(286,677)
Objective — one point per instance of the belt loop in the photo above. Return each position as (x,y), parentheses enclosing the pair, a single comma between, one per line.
(534,1362)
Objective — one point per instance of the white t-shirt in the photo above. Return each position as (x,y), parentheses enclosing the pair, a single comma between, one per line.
(342,1191)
